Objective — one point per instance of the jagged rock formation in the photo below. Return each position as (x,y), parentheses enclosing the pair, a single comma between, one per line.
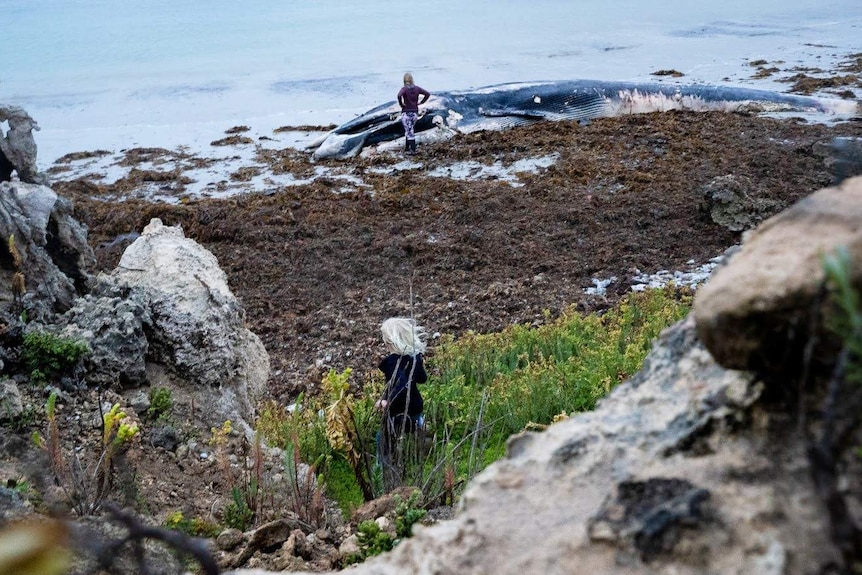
(18,148)
(55,258)
(847,158)
(689,467)
(730,203)
(114,322)
(166,313)
(197,325)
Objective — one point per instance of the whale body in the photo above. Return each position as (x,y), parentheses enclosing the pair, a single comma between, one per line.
(507,105)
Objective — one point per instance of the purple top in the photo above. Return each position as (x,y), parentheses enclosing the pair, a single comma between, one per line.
(408,97)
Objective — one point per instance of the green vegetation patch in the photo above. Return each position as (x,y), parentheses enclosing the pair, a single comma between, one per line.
(482,389)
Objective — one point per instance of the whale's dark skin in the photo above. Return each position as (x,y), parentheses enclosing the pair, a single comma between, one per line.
(507,105)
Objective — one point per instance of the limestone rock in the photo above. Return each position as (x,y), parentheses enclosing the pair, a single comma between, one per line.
(114,325)
(10,400)
(197,324)
(55,257)
(648,518)
(847,158)
(729,201)
(229,539)
(384,504)
(270,536)
(682,470)
(350,546)
(18,147)
(12,505)
(96,533)
(762,296)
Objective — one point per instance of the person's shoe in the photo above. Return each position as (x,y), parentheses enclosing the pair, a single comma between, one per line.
(411,147)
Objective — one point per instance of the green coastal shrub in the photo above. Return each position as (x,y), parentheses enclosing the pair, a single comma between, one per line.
(483,388)
(48,356)
(161,403)
(491,386)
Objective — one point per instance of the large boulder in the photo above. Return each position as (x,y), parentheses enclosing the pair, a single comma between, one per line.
(762,299)
(197,326)
(55,259)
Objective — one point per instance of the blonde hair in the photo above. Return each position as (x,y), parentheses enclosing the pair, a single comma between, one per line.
(403,335)
(408,79)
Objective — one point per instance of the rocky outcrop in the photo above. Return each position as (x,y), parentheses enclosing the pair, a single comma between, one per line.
(847,158)
(10,400)
(54,259)
(114,322)
(167,305)
(749,311)
(196,325)
(18,147)
(731,202)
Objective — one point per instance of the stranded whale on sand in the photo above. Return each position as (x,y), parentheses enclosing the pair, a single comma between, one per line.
(506,105)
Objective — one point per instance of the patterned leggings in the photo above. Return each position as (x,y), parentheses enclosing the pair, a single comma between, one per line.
(408,119)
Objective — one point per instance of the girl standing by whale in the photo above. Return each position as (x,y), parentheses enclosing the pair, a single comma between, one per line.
(408,99)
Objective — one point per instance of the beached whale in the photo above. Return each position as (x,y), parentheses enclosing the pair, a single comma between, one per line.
(506,105)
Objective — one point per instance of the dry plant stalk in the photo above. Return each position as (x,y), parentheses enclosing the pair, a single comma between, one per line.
(306,496)
(18,284)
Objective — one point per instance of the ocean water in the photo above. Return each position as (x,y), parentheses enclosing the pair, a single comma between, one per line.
(108,74)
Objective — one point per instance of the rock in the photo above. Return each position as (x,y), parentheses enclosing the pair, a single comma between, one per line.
(229,539)
(847,158)
(93,534)
(114,326)
(56,500)
(268,537)
(730,203)
(164,436)
(18,148)
(140,401)
(383,505)
(385,524)
(647,517)
(54,254)
(349,546)
(322,535)
(11,504)
(760,300)
(297,544)
(10,400)
(197,324)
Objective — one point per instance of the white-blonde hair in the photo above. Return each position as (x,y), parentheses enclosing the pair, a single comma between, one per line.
(403,335)
(408,79)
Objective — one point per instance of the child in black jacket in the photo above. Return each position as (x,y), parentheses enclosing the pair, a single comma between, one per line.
(403,368)
(401,402)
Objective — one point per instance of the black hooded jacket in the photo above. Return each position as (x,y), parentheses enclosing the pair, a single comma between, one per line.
(402,373)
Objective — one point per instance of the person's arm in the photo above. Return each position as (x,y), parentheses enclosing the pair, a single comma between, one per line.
(401,98)
(425,95)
